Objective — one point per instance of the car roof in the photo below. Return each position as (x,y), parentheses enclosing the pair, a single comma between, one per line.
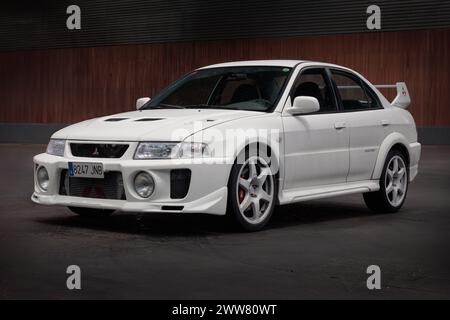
(276,63)
(272,63)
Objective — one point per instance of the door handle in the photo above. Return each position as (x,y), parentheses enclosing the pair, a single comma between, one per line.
(385,123)
(340,125)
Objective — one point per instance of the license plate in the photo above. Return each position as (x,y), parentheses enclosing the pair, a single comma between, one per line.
(86,170)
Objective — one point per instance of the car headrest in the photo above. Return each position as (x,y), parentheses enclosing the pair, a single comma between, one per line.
(309,89)
(244,92)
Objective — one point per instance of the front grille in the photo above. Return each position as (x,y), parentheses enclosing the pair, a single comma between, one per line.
(110,187)
(179,183)
(98,150)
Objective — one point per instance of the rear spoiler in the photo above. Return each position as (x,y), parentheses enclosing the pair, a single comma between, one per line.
(402,100)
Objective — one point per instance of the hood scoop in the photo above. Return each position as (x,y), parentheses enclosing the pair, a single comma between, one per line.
(115,119)
(149,119)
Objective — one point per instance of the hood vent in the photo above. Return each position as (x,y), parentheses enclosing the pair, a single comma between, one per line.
(115,119)
(149,119)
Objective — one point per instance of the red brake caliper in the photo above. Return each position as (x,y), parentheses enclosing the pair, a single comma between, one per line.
(241,195)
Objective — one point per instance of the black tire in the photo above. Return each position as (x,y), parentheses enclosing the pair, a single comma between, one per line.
(379,201)
(233,211)
(91,213)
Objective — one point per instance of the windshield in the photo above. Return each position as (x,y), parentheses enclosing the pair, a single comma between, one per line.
(237,88)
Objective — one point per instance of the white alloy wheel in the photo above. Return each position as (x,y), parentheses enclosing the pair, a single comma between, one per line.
(255,190)
(393,185)
(396,181)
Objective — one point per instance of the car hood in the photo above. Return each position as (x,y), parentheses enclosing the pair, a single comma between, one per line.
(150,125)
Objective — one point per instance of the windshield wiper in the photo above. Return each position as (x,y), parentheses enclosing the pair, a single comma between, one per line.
(165,106)
(204,106)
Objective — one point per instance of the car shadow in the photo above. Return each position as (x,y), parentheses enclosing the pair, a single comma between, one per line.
(179,225)
(154,224)
(315,212)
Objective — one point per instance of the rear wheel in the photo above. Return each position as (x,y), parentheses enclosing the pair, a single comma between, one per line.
(90,212)
(393,185)
(251,193)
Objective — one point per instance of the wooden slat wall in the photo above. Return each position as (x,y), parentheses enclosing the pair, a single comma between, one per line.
(69,85)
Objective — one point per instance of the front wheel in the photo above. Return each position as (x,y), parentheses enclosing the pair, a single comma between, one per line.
(393,185)
(91,213)
(251,193)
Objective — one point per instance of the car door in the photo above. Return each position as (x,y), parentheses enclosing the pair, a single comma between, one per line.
(366,119)
(316,145)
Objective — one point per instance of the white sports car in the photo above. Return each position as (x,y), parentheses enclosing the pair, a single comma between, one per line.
(237,139)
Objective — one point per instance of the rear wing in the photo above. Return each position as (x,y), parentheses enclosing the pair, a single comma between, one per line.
(402,100)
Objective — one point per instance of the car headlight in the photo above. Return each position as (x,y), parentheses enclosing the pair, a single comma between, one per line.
(171,150)
(56,147)
(42,178)
(193,150)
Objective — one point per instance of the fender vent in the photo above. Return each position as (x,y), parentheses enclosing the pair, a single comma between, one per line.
(149,119)
(115,119)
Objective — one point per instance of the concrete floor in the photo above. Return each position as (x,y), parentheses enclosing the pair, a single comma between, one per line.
(318,249)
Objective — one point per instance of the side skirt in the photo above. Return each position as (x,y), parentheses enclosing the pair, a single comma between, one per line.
(310,193)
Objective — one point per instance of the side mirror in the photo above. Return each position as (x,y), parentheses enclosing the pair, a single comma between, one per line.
(141,101)
(304,105)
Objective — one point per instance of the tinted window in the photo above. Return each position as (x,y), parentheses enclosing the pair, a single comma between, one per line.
(314,83)
(353,95)
(240,88)
(371,96)
(196,91)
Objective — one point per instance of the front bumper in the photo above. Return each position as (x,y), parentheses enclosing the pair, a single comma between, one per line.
(207,190)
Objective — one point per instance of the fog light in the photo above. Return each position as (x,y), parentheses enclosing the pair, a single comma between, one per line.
(144,184)
(42,178)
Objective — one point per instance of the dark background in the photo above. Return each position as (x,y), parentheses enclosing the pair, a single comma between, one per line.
(42,23)
(50,76)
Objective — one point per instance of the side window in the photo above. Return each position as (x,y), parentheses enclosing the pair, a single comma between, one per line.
(353,95)
(314,83)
